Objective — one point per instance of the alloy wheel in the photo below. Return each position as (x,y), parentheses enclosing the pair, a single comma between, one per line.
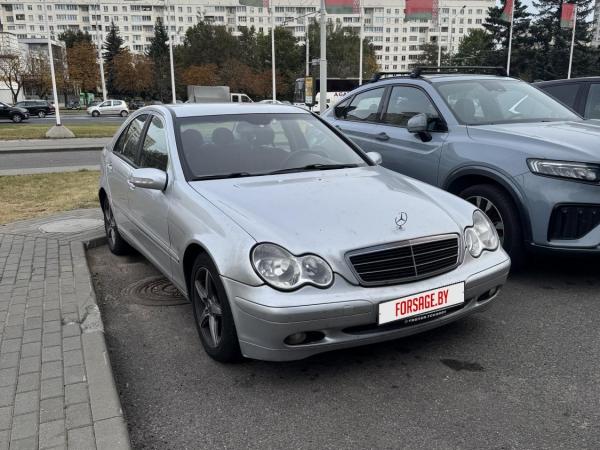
(209,314)
(491,211)
(110,226)
(41,114)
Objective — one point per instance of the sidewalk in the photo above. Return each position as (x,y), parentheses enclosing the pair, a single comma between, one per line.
(52,145)
(56,385)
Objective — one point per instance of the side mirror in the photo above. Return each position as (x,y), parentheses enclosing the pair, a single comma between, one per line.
(419,124)
(375,157)
(148,179)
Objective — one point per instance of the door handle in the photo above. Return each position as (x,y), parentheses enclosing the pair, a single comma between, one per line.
(382,136)
(131,185)
(109,167)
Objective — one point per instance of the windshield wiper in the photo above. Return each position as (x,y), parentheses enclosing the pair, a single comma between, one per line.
(313,167)
(224,175)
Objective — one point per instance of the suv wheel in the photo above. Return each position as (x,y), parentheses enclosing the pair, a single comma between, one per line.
(503,214)
(124,113)
(41,114)
(17,118)
(95,113)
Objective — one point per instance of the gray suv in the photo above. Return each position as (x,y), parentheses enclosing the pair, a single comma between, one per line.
(530,163)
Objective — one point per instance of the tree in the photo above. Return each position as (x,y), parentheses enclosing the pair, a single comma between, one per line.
(37,78)
(132,74)
(159,55)
(73,37)
(202,75)
(83,70)
(112,47)
(429,55)
(475,48)
(12,74)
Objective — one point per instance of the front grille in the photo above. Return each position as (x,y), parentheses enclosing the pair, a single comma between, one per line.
(573,221)
(405,261)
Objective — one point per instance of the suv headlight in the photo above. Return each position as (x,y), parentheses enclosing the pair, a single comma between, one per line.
(282,270)
(481,236)
(565,169)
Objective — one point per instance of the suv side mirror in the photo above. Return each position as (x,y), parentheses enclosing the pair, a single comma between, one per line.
(375,157)
(419,124)
(148,179)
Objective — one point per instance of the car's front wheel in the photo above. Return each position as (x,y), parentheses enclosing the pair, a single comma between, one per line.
(116,243)
(95,113)
(503,214)
(212,312)
(41,114)
(17,118)
(124,113)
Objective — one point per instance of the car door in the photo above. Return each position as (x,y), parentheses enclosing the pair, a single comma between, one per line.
(104,107)
(592,105)
(4,111)
(119,164)
(405,152)
(150,207)
(358,118)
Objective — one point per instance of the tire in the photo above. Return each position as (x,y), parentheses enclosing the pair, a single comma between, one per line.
(116,243)
(502,211)
(124,114)
(17,118)
(95,113)
(41,114)
(212,312)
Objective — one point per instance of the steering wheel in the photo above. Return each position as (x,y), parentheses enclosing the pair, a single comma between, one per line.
(296,156)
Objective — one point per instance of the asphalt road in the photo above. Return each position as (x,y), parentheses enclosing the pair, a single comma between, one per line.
(67,119)
(523,375)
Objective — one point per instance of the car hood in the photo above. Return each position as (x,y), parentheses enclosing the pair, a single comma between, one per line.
(331,212)
(571,141)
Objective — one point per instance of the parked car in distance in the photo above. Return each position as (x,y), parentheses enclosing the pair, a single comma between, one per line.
(271,101)
(519,155)
(40,108)
(109,107)
(136,104)
(14,113)
(582,95)
(73,105)
(287,239)
(241,98)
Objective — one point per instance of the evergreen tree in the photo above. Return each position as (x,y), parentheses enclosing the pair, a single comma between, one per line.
(475,49)
(71,38)
(112,47)
(159,55)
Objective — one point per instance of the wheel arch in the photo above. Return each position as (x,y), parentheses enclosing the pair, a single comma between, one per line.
(465,177)
(192,251)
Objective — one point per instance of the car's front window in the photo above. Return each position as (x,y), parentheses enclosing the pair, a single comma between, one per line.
(260,144)
(491,101)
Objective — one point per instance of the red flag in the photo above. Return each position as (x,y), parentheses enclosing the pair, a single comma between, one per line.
(508,10)
(419,9)
(567,15)
(342,6)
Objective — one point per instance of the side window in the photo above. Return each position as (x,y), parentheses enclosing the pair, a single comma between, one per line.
(127,144)
(364,106)
(592,108)
(564,93)
(406,102)
(104,104)
(154,151)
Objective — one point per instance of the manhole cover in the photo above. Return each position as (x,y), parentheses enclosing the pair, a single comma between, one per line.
(155,291)
(71,225)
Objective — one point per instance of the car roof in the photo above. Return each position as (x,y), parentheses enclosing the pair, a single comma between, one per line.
(216,109)
(438,78)
(565,81)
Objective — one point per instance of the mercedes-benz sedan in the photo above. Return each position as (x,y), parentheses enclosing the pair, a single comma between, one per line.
(287,239)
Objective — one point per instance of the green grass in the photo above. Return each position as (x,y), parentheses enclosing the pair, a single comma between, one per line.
(38,131)
(30,196)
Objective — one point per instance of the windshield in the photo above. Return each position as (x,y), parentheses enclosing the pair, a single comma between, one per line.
(260,144)
(480,102)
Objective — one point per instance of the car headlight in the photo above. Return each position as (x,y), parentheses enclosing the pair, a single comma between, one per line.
(481,236)
(282,270)
(565,169)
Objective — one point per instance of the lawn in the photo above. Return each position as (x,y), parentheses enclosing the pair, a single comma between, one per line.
(29,196)
(38,131)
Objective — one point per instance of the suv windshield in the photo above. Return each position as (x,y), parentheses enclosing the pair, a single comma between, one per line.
(260,144)
(491,101)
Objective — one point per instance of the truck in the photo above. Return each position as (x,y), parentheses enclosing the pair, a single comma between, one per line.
(215,94)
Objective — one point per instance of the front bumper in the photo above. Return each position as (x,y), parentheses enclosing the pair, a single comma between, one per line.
(346,315)
(544,194)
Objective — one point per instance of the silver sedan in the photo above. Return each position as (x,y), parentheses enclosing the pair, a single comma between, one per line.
(287,239)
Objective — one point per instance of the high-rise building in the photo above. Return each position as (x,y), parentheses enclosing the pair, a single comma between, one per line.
(397,42)
(596,28)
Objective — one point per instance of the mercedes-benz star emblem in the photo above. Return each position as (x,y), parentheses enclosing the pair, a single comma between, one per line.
(401,220)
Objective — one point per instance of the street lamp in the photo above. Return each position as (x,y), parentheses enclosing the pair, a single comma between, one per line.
(100,58)
(172,67)
(450,34)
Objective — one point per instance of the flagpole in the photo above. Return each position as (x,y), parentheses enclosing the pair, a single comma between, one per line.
(273,51)
(510,35)
(323,61)
(439,38)
(360,51)
(572,41)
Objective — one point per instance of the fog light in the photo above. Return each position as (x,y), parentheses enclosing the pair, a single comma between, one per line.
(295,339)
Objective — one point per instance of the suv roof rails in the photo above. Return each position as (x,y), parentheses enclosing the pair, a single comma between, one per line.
(418,71)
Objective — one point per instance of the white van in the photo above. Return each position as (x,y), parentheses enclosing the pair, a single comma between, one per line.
(241,98)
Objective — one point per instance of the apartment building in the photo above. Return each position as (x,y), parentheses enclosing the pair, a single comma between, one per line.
(397,42)
(596,27)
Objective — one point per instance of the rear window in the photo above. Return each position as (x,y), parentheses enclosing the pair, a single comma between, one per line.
(564,93)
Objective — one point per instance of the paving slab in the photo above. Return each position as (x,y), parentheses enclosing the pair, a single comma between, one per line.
(56,383)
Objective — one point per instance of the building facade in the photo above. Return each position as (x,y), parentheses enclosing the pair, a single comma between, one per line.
(397,42)
(596,28)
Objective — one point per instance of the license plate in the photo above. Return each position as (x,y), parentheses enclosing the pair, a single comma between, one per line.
(424,302)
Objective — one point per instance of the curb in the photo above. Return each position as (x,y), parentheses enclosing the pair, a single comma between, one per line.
(110,427)
(50,150)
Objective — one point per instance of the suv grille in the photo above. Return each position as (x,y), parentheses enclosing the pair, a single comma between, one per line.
(405,261)
(573,221)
